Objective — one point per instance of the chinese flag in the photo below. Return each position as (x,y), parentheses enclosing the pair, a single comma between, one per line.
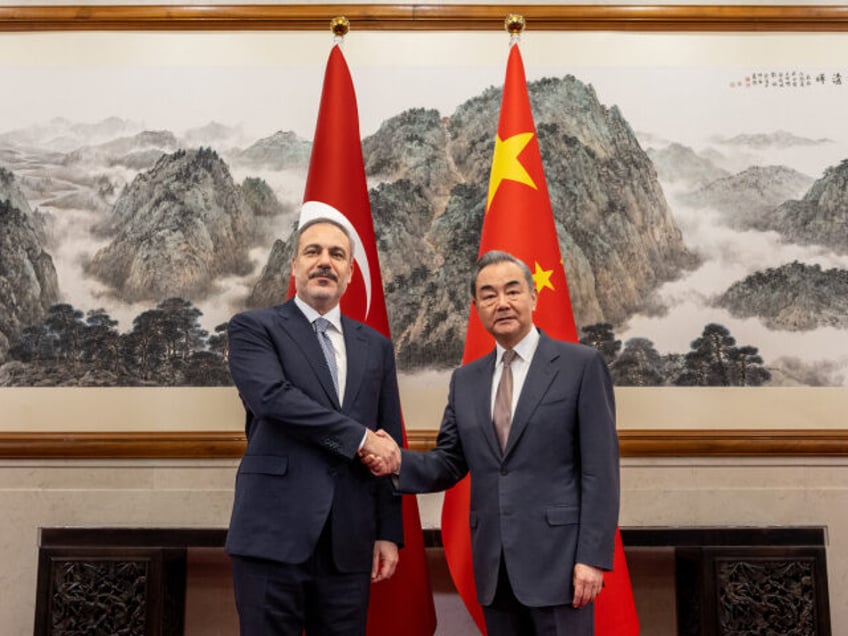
(519,220)
(336,189)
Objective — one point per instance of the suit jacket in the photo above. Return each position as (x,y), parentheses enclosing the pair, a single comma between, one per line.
(550,499)
(300,467)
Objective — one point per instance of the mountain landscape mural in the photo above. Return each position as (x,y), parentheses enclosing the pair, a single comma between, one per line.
(124,250)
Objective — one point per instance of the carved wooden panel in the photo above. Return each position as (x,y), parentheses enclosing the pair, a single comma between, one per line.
(98,596)
(752,591)
(762,596)
(110,591)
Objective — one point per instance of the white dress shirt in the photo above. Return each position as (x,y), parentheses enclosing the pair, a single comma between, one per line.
(334,331)
(520,365)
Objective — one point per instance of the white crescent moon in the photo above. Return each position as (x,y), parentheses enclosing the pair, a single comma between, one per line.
(320,210)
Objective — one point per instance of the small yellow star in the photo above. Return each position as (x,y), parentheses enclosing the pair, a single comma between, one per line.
(542,278)
(505,163)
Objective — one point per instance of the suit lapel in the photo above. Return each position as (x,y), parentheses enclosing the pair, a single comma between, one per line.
(356,349)
(301,332)
(482,387)
(540,375)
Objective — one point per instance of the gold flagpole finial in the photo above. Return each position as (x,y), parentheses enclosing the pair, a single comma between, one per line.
(514,24)
(339,25)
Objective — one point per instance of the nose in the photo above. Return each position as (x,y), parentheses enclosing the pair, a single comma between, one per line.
(324,257)
(502,301)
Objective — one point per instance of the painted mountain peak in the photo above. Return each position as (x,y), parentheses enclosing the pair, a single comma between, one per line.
(175,230)
(748,198)
(820,217)
(793,297)
(777,138)
(428,175)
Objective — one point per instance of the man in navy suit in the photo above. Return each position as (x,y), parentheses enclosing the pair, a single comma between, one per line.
(545,489)
(311,527)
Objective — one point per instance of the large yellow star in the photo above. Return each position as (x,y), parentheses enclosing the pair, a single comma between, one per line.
(542,278)
(505,163)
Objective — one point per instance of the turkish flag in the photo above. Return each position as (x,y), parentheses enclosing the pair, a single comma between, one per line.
(336,189)
(519,220)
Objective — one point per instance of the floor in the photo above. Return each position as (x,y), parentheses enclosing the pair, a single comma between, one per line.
(453,619)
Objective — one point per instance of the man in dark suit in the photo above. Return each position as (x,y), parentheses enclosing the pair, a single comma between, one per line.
(311,527)
(545,484)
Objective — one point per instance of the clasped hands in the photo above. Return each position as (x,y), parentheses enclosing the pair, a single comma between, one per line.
(380,453)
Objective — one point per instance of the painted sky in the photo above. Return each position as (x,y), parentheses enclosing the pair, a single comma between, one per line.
(680,84)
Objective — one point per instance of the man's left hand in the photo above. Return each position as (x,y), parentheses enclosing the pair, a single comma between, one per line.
(588,582)
(385,561)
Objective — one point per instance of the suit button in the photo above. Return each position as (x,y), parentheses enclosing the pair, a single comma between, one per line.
(504,471)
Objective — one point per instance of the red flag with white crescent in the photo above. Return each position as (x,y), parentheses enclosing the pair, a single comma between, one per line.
(336,188)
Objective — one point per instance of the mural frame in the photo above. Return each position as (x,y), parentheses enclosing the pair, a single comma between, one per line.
(635,442)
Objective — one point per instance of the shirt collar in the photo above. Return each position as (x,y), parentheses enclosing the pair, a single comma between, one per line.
(334,316)
(525,348)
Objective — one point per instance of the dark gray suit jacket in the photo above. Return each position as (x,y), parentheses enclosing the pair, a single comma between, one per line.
(300,467)
(551,498)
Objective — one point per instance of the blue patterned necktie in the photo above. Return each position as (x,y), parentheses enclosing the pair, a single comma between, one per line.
(320,325)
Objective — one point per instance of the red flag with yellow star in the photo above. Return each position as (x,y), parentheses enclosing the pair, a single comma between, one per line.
(519,220)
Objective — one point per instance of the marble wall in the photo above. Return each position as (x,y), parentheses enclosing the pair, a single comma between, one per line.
(35,494)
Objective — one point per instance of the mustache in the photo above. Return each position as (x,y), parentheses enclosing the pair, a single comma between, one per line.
(324,272)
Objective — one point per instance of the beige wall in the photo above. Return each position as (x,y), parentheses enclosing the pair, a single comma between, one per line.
(148,493)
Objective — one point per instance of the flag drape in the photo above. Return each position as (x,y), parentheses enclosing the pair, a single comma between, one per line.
(519,220)
(336,188)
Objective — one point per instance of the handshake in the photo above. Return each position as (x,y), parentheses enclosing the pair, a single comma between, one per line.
(380,453)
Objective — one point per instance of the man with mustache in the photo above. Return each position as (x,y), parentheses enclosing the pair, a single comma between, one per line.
(311,527)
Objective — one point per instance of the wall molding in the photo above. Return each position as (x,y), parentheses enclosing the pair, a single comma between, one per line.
(424,17)
(231,445)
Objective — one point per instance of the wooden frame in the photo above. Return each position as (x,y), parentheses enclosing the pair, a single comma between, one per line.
(214,444)
(425,16)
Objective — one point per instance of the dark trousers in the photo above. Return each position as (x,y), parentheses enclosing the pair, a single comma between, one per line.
(507,616)
(281,599)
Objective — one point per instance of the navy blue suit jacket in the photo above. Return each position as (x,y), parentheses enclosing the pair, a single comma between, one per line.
(300,467)
(550,499)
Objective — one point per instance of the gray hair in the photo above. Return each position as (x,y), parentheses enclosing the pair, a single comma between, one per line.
(322,220)
(493,257)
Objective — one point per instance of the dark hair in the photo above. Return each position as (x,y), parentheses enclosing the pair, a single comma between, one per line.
(493,257)
(322,220)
